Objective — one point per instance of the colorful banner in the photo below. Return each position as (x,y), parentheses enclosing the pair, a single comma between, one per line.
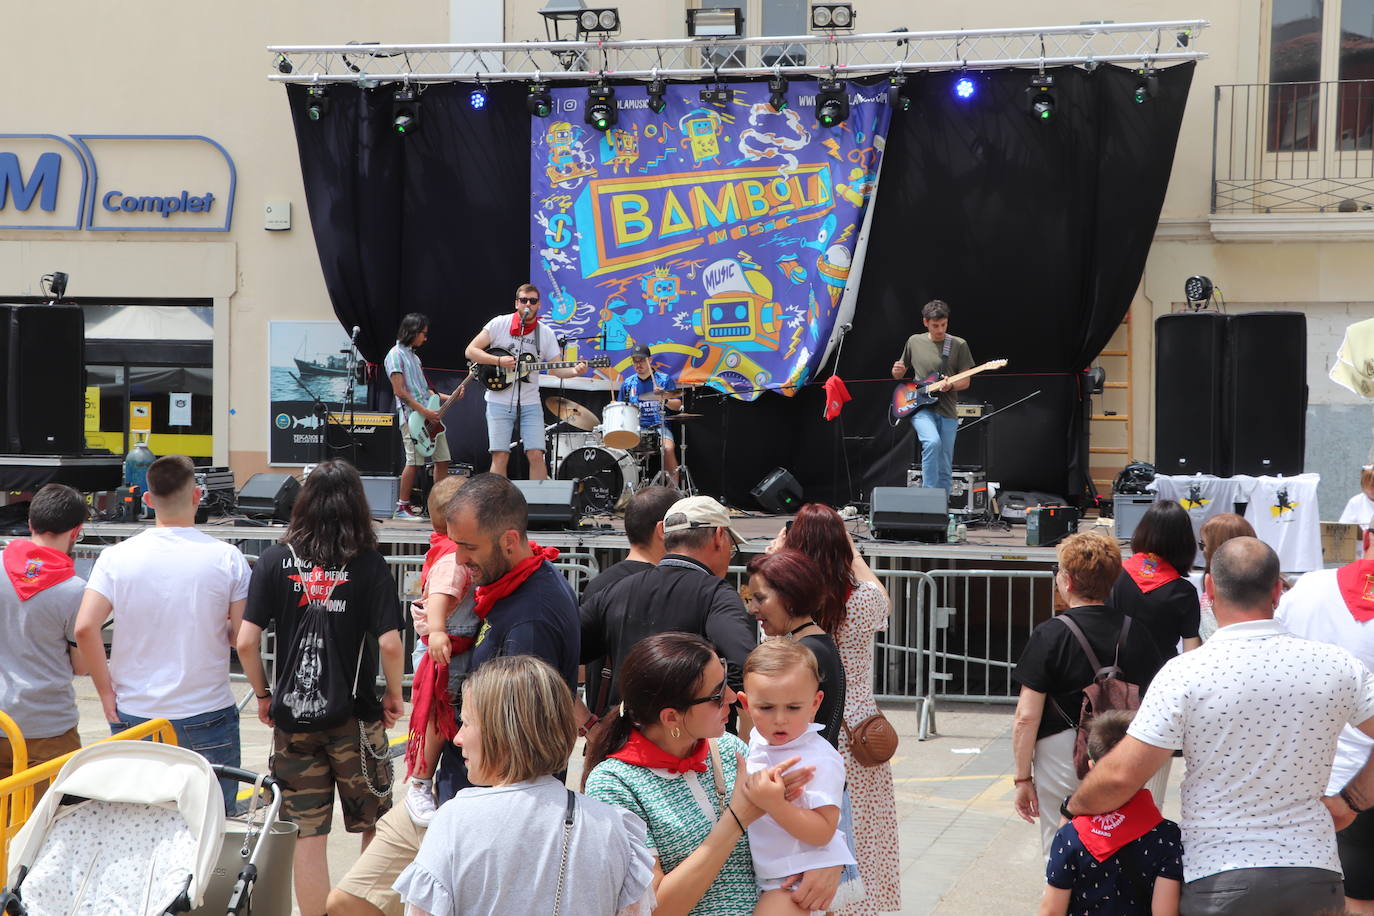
(721,235)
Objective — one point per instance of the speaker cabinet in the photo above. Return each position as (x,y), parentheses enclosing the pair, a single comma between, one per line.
(778,492)
(1190,363)
(909,513)
(1265,405)
(382,495)
(550,503)
(44,348)
(269,496)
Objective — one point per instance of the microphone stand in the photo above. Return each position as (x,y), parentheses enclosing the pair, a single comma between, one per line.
(350,395)
(321,412)
(844,451)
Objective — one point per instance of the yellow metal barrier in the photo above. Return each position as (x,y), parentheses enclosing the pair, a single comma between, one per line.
(16,792)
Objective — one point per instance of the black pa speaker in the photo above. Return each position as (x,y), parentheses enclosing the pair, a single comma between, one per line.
(1190,364)
(269,496)
(550,503)
(1265,405)
(42,403)
(909,513)
(778,492)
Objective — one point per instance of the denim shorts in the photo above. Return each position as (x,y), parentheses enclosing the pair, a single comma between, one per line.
(212,735)
(501,422)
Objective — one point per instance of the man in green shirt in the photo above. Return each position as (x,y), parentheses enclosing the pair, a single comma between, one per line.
(931,356)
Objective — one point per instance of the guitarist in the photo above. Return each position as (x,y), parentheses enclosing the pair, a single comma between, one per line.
(519,332)
(937,353)
(412,392)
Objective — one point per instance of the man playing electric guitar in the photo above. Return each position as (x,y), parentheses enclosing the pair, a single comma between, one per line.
(933,356)
(520,333)
(412,391)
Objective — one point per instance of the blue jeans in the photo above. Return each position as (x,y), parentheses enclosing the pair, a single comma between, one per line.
(936,433)
(501,421)
(212,735)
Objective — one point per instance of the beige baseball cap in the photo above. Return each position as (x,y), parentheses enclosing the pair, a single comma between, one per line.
(700,512)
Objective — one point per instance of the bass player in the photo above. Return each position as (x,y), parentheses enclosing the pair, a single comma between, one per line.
(520,333)
(937,353)
(412,391)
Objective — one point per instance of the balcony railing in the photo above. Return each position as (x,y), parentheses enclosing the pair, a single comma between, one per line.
(1293,147)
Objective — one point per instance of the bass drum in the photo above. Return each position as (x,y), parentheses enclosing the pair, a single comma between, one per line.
(604,478)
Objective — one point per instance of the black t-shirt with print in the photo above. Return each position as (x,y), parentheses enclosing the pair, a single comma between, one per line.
(1053,662)
(363,606)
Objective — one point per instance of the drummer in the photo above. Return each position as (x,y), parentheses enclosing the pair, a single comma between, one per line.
(635,390)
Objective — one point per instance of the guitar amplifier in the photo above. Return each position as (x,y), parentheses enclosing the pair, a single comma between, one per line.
(378,438)
(968,491)
(1048,525)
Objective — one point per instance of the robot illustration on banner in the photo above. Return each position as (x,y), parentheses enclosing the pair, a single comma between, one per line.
(661,290)
(739,307)
(701,130)
(620,149)
(568,162)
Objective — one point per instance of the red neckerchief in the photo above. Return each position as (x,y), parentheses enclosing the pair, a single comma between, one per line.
(440,546)
(1356,582)
(641,752)
(1149,571)
(518,328)
(33,567)
(488,595)
(1103,835)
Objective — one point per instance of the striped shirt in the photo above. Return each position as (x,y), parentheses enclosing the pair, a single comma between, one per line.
(402,359)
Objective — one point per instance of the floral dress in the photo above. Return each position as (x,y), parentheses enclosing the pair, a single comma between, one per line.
(870,788)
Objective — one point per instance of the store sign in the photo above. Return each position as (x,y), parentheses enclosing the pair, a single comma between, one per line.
(115,183)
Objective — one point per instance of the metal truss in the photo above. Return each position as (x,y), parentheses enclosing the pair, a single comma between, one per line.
(1138,43)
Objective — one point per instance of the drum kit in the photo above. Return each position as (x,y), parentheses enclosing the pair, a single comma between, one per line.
(610,458)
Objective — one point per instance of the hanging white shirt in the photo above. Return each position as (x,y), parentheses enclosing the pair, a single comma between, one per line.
(1202,496)
(1257,712)
(1284,513)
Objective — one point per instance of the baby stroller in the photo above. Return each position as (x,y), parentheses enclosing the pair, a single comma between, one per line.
(130,827)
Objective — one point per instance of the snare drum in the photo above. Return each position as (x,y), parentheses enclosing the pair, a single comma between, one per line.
(620,425)
(604,477)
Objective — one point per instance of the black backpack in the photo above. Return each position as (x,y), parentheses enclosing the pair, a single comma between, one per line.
(313,692)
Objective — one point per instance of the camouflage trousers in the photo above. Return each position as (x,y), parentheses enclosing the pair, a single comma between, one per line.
(310,765)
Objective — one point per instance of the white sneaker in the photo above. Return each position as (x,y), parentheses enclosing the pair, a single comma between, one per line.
(420,801)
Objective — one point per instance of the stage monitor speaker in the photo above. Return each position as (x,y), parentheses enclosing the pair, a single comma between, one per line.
(550,504)
(382,495)
(779,492)
(269,496)
(909,513)
(1048,525)
(42,401)
(1265,405)
(1190,367)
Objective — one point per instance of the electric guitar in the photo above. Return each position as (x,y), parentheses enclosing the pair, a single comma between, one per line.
(426,433)
(912,396)
(499,378)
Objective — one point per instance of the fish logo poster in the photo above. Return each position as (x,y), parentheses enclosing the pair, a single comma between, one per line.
(720,234)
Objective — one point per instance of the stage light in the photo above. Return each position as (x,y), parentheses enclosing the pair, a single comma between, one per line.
(405,111)
(560,11)
(832,17)
(316,103)
(714,95)
(832,103)
(1147,85)
(715,22)
(657,89)
(895,100)
(538,102)
(777,93)
(601,111)
(1040,97)
(284,64)
(598,21)
(477,98)
(964,87)
(1197,289)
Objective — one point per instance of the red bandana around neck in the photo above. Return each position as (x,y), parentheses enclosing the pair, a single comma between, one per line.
(519,328)
(1149,571)
(33,567)
(1356,582)
(488,595)
(440,546)
(641,752)
(1103,835)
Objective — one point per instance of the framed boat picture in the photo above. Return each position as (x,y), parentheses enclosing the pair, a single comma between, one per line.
(308,364)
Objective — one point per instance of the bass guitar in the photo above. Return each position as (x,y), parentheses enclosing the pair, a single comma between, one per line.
(499,378)
(912,396)
(426,433)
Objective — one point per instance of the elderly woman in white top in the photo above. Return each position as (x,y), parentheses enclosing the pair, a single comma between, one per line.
(526,844)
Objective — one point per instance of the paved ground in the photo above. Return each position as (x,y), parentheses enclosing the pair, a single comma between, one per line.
(963,849)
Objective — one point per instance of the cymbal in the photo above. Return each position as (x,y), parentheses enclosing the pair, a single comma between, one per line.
(682,416)
(660,395)
(571,413)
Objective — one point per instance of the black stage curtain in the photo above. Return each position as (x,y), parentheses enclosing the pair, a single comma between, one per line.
(1036,234)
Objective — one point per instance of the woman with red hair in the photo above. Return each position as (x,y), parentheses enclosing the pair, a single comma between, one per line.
(853,607)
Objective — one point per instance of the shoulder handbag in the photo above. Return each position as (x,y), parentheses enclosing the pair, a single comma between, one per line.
(312,692)
(873,741)
(568,816)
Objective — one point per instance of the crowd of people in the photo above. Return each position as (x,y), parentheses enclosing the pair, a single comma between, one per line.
(721,773)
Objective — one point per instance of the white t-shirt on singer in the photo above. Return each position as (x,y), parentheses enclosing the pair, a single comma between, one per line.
(171,589)
(541,342)
(778,854)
